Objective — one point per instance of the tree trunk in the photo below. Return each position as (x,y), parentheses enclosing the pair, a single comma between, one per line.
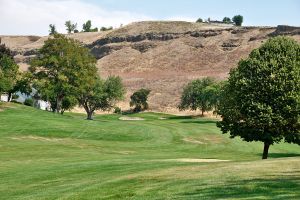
(9,97)
(58,104)
(266,151)
(89,111)
(202,112)
(89,115)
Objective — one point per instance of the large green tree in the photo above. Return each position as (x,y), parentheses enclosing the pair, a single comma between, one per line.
(261,101)
(97,94)
(200,94)
(61,66)
(139,99)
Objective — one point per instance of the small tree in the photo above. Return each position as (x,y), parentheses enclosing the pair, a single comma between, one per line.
(97,94)
(261,100)
(200,94)
(22,84)
(86,27)
(238,20)
(199,20)
(8,73)
(70,26)
(52,29)
(227,20)
(139,100)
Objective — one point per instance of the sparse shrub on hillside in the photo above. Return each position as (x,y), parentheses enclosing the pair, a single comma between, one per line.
(106,28)
(199,20)
(28,102)
(261,100)
(200,94)
(94,30)
(139,100)
(238,20)
(226,20)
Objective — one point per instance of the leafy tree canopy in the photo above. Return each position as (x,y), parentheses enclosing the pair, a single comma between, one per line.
(227,20)
(8,73)
(238,20)
(70,26)
(97,94)
(61,66)
(52,29)
(200,94)
(261,101)
(199,20)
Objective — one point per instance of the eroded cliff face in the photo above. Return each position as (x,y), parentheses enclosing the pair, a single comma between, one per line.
(163,56)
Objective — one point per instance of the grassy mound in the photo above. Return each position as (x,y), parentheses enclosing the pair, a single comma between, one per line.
(49,156)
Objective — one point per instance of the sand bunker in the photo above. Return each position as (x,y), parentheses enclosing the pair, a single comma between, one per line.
(195,160)
(37,138)
(125,118)
(191,140)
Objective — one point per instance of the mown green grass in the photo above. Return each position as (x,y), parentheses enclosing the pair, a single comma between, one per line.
(49,156)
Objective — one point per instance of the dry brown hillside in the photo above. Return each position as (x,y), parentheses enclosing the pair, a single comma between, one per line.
(162,56)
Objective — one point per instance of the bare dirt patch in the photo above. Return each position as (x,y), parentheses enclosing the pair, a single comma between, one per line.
(125,118)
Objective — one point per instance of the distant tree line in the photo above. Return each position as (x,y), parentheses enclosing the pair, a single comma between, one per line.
(236,20)
(72,27)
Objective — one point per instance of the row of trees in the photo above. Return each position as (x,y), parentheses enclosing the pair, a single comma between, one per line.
(64,74)
(261,99)
(236,20)
(72,28)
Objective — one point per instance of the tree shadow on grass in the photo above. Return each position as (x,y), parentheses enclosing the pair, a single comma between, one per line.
(200,122)
(286,187)
(181,117)
(281,155)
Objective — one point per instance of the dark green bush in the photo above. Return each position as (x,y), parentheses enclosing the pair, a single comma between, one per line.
(28,102)
(118,110)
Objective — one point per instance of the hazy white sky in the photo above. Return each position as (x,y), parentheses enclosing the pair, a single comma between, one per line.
(32,17)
